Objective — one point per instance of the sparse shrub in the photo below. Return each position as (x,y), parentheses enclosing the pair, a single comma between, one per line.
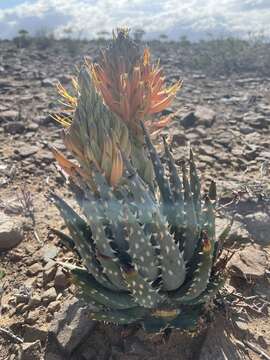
(44,39)
(138,34)
(23,39)
(184,42)
(163,37)
(102,37)
(227,56)
(72,44)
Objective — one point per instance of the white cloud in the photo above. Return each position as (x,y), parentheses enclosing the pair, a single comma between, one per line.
(174,17)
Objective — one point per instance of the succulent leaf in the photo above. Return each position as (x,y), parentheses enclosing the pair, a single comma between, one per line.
(141,289)
(172,261)
(192,230)
(101,294)
(195,185)
(123,317)
(200,276)
(162,181)
(82,237)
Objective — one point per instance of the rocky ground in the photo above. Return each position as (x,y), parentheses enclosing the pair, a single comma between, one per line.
(227,122)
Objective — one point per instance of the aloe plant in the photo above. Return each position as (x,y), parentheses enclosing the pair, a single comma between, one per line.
(146,242)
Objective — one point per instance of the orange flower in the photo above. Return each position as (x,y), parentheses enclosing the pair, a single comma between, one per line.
(131,86)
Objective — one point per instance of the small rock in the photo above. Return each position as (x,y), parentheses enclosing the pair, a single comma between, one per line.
(22,298)
(32,127)
(49,82)
(53,307)
(11,232)
(33,316)
(201,116)
(49,296)
(33,333)
(49,252)
(178,138)
(15,127)
(249,263)
(49,317)
(31,351)
(258,224)
(43,120)
(205,116)
(188,120)
(60,281)
(49,272)
(27,150)
(246,130)
(21,308)
(244,326)
(9,115)
(238,233)
(263,342)
(44,156)
(34,301)
(71,327)
(34,269)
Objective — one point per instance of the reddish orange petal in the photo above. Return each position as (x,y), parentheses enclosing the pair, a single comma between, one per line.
(117,168)
(160,106)
(68,166)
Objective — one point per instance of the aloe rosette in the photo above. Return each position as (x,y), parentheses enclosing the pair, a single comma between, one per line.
(145,236)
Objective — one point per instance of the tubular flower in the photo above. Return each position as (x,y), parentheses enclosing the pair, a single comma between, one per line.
(133,90)
(94,135)
(132,87)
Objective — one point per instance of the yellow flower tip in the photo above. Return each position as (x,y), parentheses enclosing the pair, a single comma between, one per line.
(62,120)
(146,57)
(117,168)
(206,246)
(166,313)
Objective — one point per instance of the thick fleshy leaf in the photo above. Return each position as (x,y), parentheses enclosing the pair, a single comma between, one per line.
(142,291)
(222,238)
(112,270)
(67,241)
(82,237)
(199,278)
(214,285)
(140,249)
(100,294)
(123,317)
(163,183)
(175,181)
(172,261)
(187,319)
(195,185)
(191,232)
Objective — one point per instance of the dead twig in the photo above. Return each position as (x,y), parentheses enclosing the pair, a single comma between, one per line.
(37,237)
(258,350)
(249,307)
(11,335)
(234,201)
(27,204)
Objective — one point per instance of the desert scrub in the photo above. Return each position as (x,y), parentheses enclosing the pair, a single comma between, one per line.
(145,240)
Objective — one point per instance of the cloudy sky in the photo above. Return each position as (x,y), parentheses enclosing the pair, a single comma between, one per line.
(194,18)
